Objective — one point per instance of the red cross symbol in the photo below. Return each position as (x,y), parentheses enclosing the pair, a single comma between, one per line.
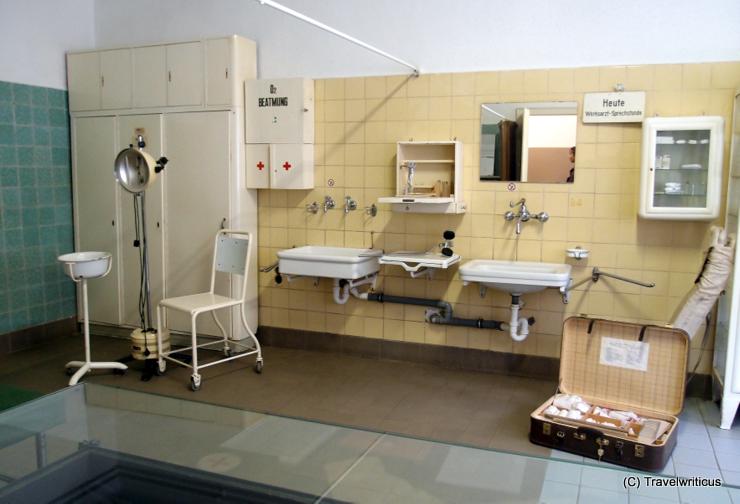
(260,165)
(287,166)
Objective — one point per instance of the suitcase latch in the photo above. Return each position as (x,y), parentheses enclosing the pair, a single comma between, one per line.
(639,451)
(602,443)
(618,447)
(579,436)
(546,429)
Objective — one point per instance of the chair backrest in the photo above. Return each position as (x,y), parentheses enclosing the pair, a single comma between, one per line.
(231,255)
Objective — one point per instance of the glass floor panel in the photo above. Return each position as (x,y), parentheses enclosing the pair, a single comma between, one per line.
(135,446)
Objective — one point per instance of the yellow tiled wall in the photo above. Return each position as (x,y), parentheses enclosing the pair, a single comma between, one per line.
(359,121)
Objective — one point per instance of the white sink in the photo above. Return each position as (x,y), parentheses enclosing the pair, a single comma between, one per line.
(515,277)
(329,262)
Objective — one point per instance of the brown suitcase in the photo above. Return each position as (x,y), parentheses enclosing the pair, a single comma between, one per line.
(620,366)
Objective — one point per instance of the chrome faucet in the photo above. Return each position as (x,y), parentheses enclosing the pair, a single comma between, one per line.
(328,203)
(349,204)
(313,208)
(411,166)
(523,215)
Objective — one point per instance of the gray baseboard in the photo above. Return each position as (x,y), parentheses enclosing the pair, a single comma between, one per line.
(24,339)
(468,359)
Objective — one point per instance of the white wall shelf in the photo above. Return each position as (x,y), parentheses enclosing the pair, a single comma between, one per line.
(437,180)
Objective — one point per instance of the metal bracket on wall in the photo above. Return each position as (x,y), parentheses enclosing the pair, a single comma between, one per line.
(596,273)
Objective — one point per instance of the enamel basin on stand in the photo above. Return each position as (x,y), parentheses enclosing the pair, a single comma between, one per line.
(515,277)
(329,262)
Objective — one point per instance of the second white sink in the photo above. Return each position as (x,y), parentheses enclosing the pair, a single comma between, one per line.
(515,277)
(329,262)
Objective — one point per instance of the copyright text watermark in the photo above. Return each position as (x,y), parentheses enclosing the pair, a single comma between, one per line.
(670,481)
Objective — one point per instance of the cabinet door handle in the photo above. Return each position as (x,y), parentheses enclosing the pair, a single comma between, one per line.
(169,75)
(227,73)
(112,223)
(102,81)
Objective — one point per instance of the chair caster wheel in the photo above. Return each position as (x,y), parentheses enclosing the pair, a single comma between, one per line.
(161,368)
(119,372)
(195,383)
(258,367)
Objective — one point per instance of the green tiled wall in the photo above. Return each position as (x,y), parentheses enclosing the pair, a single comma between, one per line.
(36,206)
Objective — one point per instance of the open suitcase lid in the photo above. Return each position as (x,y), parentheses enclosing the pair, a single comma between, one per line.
(627,365)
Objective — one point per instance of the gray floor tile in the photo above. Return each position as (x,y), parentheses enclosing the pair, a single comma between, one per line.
(731,478)
(589,495)
(692,456)
(697,495)
(729,461)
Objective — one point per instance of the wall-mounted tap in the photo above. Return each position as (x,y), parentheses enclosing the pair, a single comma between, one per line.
(349,204)
(523,215)
(329,203)
(313,208)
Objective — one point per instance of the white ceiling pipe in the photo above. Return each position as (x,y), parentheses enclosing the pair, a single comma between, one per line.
(336,32)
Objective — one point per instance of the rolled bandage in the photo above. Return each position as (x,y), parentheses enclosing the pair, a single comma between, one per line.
(552,410)
(575,414)
(602,412)
(563,413)
(566,401)
(590,420)
(619,415)
(582,407)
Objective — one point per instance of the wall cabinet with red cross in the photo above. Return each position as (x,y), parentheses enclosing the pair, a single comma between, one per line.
(279,133)
(279,166)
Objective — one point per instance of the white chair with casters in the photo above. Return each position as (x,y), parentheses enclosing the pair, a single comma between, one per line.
(80,267)
(231,255)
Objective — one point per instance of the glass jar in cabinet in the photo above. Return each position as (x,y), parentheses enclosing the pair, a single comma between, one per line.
(681,170)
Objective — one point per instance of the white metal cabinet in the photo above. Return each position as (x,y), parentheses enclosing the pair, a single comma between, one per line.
(291,166)
(185,74)
(150,127)
(726,363)
(83,81)
(196,190)
(219,74)
(206,145)
(115,79)
(279,111)
(96,224)
(150,76)
(280,166)
(258,166)
(681,168)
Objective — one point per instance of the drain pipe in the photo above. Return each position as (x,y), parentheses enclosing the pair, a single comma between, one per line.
(342,288)
(444,317)
(518,327)
(340,291)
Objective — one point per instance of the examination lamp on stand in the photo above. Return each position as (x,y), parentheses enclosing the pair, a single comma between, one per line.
(136,171)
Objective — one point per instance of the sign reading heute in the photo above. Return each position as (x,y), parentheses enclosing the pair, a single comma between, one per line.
(614,107)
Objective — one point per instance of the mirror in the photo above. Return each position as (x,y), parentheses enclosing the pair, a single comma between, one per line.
(528,142)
